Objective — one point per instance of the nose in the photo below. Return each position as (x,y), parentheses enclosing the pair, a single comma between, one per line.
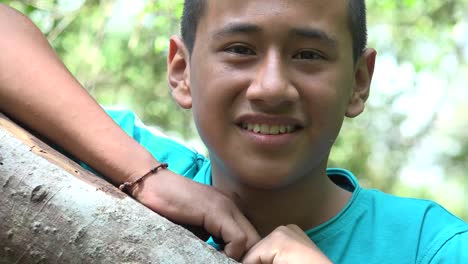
(272,86)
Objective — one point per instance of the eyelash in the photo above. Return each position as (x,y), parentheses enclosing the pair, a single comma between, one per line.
(315,55)
(247,51)
(243,50)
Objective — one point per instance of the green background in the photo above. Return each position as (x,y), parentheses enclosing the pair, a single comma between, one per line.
(411,141)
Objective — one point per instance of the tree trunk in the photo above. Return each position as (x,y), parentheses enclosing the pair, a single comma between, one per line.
(53,211)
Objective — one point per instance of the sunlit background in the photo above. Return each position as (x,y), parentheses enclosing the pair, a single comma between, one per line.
(411,141)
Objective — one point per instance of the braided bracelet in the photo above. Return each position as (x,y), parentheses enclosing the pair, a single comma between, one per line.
(125,187)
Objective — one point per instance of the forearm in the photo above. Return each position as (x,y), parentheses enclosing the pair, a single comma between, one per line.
(38,90)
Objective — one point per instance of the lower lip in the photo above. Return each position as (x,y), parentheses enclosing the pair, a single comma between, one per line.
(271,141)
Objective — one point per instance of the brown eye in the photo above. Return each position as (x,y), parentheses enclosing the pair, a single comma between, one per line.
(240,50)
(308,55)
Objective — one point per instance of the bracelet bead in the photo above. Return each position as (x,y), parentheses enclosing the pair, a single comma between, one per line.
(125,187)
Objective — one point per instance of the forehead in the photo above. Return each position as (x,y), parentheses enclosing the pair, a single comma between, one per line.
(329,16)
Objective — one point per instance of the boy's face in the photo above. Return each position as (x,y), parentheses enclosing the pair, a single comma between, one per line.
(270,82)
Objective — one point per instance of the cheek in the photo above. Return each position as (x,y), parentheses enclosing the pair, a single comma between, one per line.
(213,104)
(325,94)
(216,87)
(325,100)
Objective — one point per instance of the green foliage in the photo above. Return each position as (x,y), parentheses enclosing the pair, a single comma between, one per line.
(420,36)
(118,48)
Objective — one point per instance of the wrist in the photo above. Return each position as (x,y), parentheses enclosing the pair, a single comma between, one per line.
(128,187)
(128,164)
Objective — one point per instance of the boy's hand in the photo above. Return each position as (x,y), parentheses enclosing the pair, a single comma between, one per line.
(286,244)
(186,202)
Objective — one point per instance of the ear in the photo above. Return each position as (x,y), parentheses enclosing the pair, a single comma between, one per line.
(178,72)
(364,71)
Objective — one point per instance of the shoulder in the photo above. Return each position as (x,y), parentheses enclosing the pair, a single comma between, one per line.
(384,228)
(454,250)
(412,209)
(427,226)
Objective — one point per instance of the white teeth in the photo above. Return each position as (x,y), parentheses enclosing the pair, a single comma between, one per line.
(256,128)
(267,129)
(274,130)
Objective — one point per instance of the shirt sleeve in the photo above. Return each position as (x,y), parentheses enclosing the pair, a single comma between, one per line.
(181,159)
(455,250)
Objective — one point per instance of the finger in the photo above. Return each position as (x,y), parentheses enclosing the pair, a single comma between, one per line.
(232,234)
(252,235)
(259,253)
(235,230)
(300,233)
(224,220)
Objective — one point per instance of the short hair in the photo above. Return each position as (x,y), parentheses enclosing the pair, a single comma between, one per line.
(357,26)
(191,15)
(195,9)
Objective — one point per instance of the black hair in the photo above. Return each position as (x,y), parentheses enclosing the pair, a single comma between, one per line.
(192,13)
(357,26)
(194,10)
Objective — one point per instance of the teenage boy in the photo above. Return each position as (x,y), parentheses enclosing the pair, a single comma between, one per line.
(269,83)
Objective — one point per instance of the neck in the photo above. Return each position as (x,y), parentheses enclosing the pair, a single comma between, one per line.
(310,201)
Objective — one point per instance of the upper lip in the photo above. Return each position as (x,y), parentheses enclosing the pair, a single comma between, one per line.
(267,119)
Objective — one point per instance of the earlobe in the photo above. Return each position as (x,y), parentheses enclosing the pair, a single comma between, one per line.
(178,72)
(363,77)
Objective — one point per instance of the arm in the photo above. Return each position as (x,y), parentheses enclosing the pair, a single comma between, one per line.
(68,117)
(38,90)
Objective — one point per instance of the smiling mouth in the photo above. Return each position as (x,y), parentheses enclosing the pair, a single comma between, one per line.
(265,129)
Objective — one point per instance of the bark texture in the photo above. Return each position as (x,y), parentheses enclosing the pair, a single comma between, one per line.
(52,211)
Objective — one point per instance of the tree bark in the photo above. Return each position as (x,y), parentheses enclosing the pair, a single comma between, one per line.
(53,211)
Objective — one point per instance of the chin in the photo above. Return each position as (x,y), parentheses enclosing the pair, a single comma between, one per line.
(269,182)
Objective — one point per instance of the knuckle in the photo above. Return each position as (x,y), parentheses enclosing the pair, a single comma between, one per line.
(241,239)
(234,251)
(238,238)
(295,228)
(280,231)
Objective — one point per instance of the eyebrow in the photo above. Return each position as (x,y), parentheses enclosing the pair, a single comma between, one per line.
(313,33)
(237,28)
(301,32)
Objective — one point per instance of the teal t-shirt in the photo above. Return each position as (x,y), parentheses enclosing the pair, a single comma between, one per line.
(374,227)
